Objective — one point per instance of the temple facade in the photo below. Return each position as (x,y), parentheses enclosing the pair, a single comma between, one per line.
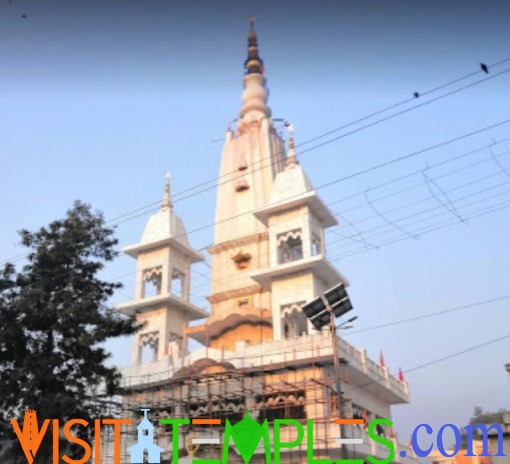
(259,351)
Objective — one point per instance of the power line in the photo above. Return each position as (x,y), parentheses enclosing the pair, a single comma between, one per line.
(376,245)
(366,118)
(439,360)
(234,277)
(366,170)
(421,212)
(437,207)
(434,227)
(456,354)
(363,171)
(416,172)
(240,176)
(143,209)
(353,237)
(351,176)
(419,171)
(430,315)
(439,226)
(214,180)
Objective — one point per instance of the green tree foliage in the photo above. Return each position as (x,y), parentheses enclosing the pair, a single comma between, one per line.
(53,320)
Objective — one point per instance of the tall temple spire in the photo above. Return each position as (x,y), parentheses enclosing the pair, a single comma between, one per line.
(255,93)
(167,200)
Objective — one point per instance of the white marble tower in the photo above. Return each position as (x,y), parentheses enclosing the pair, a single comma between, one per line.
(164,258)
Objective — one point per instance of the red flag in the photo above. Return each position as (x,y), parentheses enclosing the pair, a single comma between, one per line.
(400,375)
(381,359)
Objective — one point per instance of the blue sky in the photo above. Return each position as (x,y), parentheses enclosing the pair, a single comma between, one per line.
(99,99)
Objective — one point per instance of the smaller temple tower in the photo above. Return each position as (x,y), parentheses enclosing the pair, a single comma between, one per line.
(162,297)
(298,268)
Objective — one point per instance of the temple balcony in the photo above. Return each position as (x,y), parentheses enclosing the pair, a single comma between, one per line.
(306,350)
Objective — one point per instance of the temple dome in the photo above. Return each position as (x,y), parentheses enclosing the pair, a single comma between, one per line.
(290,183)
(163,225)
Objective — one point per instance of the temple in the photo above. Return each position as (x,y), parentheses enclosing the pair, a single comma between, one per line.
(259,352)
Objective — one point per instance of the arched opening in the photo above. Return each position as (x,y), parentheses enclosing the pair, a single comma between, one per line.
(151,282)
(290,246)
(148,348)
(294,321)
(177,284)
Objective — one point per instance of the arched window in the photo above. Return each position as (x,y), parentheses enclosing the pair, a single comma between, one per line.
(151,279)
(294,321)
(281,405)
(148,347)
(177,283)
(290,246)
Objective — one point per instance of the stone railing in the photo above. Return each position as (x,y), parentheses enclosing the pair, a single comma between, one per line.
(277,351)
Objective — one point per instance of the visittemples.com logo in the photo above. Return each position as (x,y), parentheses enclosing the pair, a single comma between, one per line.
(247,436)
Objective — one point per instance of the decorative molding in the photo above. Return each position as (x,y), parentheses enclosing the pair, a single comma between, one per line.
(237,293)
(243,127)
(238,243)
(241,260)
(287,309)
(242,185)
(243,303)
(151,273)
(149,338)
(284,236)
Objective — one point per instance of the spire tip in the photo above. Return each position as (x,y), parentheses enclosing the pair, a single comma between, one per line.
(167,201)
(291,155)
(253,63)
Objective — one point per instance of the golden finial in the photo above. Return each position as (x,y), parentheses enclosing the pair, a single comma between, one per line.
(167,201)
(253,63)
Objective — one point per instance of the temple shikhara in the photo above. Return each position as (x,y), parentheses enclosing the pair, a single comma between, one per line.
(258,350)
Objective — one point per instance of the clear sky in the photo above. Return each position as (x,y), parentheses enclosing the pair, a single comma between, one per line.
(99,99)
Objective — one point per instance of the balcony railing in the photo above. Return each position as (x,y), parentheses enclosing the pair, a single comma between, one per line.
(278,351)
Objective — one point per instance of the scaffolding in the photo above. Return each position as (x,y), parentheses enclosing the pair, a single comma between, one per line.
(298,384)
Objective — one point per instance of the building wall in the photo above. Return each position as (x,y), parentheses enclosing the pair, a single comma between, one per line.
(163,321)
(494,448)
(252,334)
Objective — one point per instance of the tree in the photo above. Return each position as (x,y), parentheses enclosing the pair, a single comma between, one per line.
(53,319)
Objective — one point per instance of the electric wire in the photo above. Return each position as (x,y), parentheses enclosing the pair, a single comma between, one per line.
(235,278)
(480,213)
(406,320)
(132,214)
(364,171)
(263,166)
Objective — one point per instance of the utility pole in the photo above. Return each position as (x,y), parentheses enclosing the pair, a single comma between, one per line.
(336,367)
(324,310)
